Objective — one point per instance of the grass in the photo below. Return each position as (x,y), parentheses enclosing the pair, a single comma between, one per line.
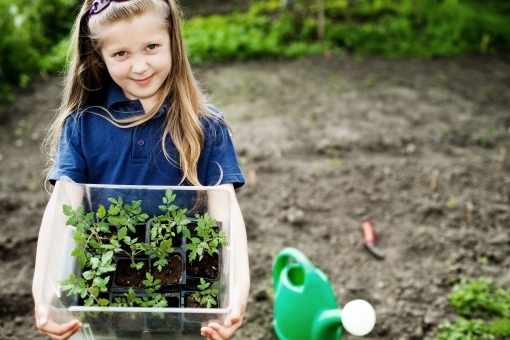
(484,309)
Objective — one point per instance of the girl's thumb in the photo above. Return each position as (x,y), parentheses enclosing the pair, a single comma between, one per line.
(42,315)
(234,316)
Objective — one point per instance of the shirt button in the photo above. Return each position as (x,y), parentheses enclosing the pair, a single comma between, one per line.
(141,142)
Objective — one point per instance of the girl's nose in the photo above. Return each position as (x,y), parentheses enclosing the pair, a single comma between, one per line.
(139,65)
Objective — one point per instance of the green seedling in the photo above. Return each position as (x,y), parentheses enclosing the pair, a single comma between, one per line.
(151,299)
(173,221)
(335,161)
(128,299)
(207,238)
(96,245)
(93,281)
(483,140)
(369,82)
(452,203)
(205,296)
(120,214)
(95,238)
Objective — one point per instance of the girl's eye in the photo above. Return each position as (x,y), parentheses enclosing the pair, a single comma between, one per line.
(120,54)
(151,46)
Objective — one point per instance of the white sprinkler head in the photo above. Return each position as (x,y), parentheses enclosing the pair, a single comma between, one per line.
(358,317)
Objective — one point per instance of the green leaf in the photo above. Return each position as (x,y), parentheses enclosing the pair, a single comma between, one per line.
(101,212)
(114,210)
(192,256)
(88,275)
(103,302)
(167,246)
(169,196)
(94,244)
(77,252)
(132,228)
(107,257)
(122,233)
(105,228)
(82,261)
(72,221)
(79,238)
(186,232)
(101,283)
(94,262)
(89,302)
(69,282)
(68,210)
(108,268)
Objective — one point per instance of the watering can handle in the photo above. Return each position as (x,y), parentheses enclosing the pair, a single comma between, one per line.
(282,260)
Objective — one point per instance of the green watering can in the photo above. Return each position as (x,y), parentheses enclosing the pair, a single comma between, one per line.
(305,306)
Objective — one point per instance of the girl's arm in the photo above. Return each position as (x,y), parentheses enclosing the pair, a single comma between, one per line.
(44,323)
(241,273)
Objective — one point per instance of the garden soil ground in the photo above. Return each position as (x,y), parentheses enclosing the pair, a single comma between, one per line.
(326,143)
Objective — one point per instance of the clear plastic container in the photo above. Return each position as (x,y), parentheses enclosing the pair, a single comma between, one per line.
(173,322)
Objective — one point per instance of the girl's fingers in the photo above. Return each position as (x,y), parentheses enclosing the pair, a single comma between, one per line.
(53,330)
(60,332)
(216,331)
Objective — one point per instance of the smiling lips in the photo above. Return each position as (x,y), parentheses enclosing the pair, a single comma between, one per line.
(143,81)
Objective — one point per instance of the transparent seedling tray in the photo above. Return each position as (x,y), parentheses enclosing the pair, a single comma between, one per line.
(144,323)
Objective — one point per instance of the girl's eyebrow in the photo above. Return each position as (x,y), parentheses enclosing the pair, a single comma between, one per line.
(149,41)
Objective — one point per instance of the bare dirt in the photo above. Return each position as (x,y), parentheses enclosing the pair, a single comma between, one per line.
(326,143)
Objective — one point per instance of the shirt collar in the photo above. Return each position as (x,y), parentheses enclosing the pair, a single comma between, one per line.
(122,107)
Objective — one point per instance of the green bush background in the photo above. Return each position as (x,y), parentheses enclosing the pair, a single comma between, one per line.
(34,33)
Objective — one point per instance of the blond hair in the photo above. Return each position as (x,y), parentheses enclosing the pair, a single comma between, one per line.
(86,76)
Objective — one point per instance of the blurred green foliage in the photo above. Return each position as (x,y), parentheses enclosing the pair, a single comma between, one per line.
(484,308)
(32,33)
(35,32)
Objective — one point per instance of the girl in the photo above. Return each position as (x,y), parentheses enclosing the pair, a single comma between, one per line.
(132,113)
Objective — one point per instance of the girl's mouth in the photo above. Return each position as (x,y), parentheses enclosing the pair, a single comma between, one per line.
(143,81)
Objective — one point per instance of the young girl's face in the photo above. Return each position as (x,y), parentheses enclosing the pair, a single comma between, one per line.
(136,53)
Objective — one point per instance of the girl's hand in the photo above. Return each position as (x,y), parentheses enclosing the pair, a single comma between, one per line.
(215,331)
(50,328)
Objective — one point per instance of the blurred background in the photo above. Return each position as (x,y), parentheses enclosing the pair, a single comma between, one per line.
(34,33)
(394,111)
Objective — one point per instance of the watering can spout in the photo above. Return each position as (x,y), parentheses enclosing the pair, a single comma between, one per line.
(328,325)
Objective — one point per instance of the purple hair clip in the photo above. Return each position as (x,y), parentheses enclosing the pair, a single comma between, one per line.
(99,5)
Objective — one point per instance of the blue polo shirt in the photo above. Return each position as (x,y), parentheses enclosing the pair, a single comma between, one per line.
(93,150)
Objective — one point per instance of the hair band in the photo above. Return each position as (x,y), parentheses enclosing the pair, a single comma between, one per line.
(99,5)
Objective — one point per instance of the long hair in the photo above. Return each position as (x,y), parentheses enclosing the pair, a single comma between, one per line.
(87,78)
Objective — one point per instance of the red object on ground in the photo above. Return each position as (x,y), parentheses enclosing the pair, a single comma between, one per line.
(370,241)
(368,232)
